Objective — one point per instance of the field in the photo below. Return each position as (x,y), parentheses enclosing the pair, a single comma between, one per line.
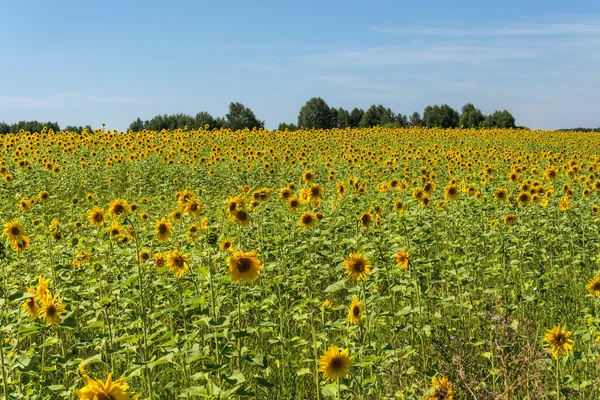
(216,264)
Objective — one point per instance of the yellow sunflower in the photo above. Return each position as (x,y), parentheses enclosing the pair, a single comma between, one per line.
(355,312)
(14,230)
(594,286)
(117,208)
(193,208)
(451,192)
(109,390)
(402,259)
(30,305)
(334,364)
(51,309)
(96,216)
(163,230)
(178,263)
(308,219)
(558,340)
(242,217)
(226,245)
(357,266)
(243,266)
(441,389)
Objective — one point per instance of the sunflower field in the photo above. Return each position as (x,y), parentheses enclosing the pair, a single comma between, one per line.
(383,263)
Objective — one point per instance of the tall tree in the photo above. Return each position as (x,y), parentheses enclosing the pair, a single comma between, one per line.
(315,114)
(471,117)
(499,119)
(442,116)
(240,117)
(343,118)
(285,126)
(376,116)
(355,117)
(415,119)
(137,125)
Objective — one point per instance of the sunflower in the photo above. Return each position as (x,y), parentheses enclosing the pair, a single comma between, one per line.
(595,209)
(510,219)
(109,390)
(308,176)
(116,230)
(145,254)
(242,217)
(117,208)
(176,215)
(193,208)
(42,288)
(293,203)
(285,193)
(365,219)
(226,245)
(594,286)
(501,195)
(160,260)
(96,216)
(243,266)
(558,340)
(334,364)
(30,305)
(51,309)
(441,389)
(327,304)
(14,230)
(355,312)
(308,219)
(178,263)
(357,266)
(44,195)
(451,192)
(234,204)
(402,259)
(21,245)
(163,230)
(524,198)
(564,204)
(316,191)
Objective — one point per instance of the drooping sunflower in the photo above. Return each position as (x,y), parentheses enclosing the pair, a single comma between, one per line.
(30,305)
(335,364)
(441,389)
(316,191)
(355,312)
(242,217)
(234,204)
(178,263)
(594,286)
(109,390)
(163,230)
(193,208)
(14,230)
(308,219)
(243,266)
(51,309)
(558,340)
(42,288)
(160,260)
(21,245)
(366,219)
(117,208)
(357,266)
(402,259)
(451,192)
(96,217)
(510,219)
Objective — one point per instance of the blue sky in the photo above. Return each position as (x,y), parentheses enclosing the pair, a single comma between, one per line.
(81,62)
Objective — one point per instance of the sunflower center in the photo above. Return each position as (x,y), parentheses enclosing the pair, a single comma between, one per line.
(51,311)
(193,207)
(336,363)
(356,311)
(242,216)
(559,339)
(178,262)
(294,203)
(15,230)
(359,266)
(244,264)
(307,219)
(118,209)
(162,229)
(452,191)
(98,217)
(105,396)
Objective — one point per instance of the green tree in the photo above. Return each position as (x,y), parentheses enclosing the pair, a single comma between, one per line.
(202,119)
(285,126)
(136,126)
(315,114)
(355,117)
(241,117)
(415,119)
(377,116)
(499,119)
(402,120)
(442,116)
(343,118)
(471,117)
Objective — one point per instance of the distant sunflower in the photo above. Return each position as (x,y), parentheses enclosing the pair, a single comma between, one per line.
(594,286)
(564,205)
(109,390)
(14,230)
(160,260)
(558,340)
(524,198)
(116,231)
(451,192)
(308,176)
(501,195)
(21,245)
(51,309)
(365,219)
(355,312)
(293,203)
(334,364)
(178,263)
(402,259)
(308,219)
(242,217)
(117,208)
(243,266)
(285,193)
(145,254)
(226,245)
(234,204)
(176,215)
(357,266)
(441,389)
(44,195)
(510,219)
(163,230)
(316,191)
(96,216)
(193,208)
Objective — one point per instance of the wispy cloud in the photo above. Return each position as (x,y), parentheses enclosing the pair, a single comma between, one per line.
(66,98)
(560,29)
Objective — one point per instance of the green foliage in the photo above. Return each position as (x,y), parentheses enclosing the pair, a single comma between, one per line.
(28,126)
(355,117)
(471,117)
(377,115)
(241,117)
(283,126)
(416,120)
(442,116)
(499,119)
(316,114)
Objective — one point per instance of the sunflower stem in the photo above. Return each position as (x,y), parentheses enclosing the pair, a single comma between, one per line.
(239,295)
(4,383)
